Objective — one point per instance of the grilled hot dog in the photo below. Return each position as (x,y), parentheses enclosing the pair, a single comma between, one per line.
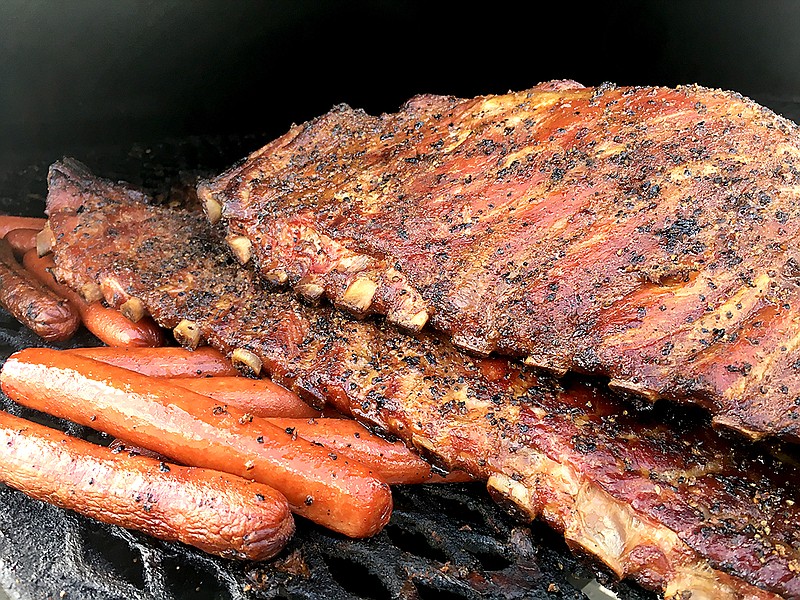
(9,222)
(21,241)
(219,513)
(259,397)
(392,461)
(163,362)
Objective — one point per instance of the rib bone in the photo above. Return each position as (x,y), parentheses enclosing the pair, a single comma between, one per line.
(187,334)
(133,308)
(241,247)
(358,295)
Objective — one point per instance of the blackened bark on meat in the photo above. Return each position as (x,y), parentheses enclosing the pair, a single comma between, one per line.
(650,235)
(676,510)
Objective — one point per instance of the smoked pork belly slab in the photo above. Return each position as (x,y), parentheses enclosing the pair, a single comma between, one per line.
(670,506)
(649,235)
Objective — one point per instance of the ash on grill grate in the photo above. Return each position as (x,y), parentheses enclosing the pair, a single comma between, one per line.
(443,542)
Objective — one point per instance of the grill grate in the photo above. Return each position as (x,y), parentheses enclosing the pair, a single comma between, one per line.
(444,542)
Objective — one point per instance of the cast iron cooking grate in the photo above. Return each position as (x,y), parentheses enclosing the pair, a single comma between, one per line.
(444,542)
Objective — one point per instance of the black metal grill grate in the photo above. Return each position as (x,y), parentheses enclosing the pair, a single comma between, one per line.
(443,542)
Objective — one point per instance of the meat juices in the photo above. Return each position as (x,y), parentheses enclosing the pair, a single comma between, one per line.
(676,509)
(650,235)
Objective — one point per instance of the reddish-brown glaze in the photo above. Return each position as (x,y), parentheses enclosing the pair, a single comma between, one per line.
(259,397)
(646,234)
(165,362)
(216,512)
(196,430)
(669,505)
(109,325)
(38,308)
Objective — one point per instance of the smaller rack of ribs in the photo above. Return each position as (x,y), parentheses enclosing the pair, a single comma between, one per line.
(649,235)
(678,511)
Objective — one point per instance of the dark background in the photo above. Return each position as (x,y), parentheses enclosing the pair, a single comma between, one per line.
(93,73)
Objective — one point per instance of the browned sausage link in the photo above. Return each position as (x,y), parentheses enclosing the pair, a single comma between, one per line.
(9,222)
(33,304)
(336,492)
(259,397)
(164,362)
(394,462)
(219,513)
(108,324)
(21,241)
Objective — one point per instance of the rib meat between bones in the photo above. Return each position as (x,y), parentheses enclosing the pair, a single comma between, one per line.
(645,234)
(677,511)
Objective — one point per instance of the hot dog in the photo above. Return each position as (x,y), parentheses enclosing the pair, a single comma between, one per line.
(33,304)
(219,513)
(21,241)
(108,324)
(193,429)
(9,222)
(163,362)
(259,397)
(394,462)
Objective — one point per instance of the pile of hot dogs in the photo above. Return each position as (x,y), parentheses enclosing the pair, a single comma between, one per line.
(204,456)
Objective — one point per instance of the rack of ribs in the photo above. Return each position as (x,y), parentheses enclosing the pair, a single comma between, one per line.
(669,505)
(648,235)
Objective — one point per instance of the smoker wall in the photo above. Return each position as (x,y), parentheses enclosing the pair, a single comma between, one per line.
(92,73)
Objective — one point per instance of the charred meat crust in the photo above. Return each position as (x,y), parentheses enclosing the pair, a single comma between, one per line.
(676,510)
(646,234)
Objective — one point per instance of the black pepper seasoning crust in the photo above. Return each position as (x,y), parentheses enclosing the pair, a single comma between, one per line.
(465,211)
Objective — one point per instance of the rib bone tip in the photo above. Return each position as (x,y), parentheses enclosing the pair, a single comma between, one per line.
(212,206)
(311,292)
(133,309)
(187,334)
(731,423)
(91,292)
(45,240)
(633,388)
(359,294)
(548,367)
(241,247)
(276,276)
(247,361)
(513,495)
(410,321)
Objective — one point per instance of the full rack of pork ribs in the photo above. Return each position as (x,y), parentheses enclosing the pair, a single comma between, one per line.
(674,508)
(649,235)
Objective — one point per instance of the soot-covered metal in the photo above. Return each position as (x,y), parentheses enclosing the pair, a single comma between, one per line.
(442,541)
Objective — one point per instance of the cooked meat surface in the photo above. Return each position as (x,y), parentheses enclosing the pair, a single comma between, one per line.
(645,234)
(669,505)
